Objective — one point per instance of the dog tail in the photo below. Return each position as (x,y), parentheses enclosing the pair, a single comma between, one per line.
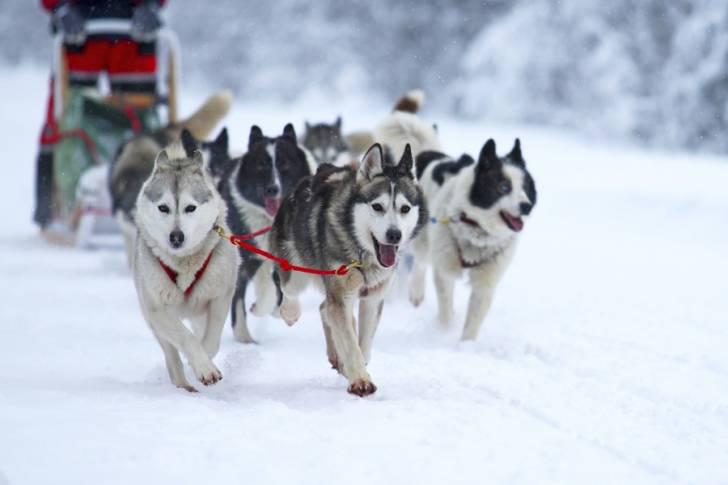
(410,102)
(400,128)
(213,110)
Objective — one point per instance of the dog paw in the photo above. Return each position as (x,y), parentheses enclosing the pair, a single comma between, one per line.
(416,295)
(416,300)
(208,374)
(290,311)
(361,388)
(187,387)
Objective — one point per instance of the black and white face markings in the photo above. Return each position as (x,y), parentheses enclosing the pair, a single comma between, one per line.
(325,142)
(176,207)
(390,208)
(503,184)
(271,168)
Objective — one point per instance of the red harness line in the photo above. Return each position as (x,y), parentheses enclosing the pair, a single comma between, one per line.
(198,274)
(239,241)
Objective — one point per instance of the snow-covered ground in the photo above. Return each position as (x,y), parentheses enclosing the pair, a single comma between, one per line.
(603,359)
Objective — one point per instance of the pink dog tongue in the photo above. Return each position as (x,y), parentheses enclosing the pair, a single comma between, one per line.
(387,254)
(272,204)
(515,222)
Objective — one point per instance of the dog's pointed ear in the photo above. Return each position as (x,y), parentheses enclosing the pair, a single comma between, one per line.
(337,124)
(405,163)
(256,135)
(290,132)
(162,160)
(516,156)
(371,164)
(222,139)
(488,155)
(188,142)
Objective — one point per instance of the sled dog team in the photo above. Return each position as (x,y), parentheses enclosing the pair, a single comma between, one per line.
(351,203)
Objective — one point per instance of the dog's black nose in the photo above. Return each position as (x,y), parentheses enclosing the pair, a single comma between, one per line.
(526,208)
(394,236)
(176,238)
(272,191)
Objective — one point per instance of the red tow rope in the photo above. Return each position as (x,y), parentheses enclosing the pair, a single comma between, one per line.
(285,265)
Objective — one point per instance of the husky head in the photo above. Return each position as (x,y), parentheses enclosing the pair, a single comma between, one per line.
(178,204)
(214,153)
(326,142)
(270,169)
(496,195)
(390,207)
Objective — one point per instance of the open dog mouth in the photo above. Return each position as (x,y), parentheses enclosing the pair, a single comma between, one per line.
(386,253)
(272,204)
(513,222)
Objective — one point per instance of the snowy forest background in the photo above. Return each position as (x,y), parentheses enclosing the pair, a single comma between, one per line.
(654,71)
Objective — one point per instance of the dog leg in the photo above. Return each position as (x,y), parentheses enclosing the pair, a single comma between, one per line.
(291,286)
(216,315)
(239,316)
(417,283)
(173,331)
(330,348)
(444,286)
(483,282)
(174,366)
(370,312)
(338,318)
(420,249)
(266,295)
(478,307)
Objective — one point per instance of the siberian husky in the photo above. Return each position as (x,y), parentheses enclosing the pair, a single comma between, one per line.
(478,209)
(135,159)
(182,268)
(327,144)
(338,216)
(253,190)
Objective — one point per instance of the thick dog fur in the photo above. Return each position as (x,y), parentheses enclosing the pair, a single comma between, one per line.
(333,218)
(403,126)
(176,210)
(327,144)
(135,159)
(253,191)
(480,208)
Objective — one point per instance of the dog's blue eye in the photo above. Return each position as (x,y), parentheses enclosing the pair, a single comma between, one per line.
(405,209)
(163,208)
(190,208)
(378,207)
(504,187)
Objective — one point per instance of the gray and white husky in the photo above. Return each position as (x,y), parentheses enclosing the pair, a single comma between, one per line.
(478,209)
(341,215)
(327,143)
(182,268)
(135,159)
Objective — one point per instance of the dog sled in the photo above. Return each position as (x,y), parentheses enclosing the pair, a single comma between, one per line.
(88,128)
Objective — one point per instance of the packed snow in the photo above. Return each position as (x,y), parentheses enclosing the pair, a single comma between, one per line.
(603,359)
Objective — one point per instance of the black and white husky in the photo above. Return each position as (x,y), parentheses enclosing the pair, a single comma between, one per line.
(253,190)
(182,268)
(338,216)
(478,210)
